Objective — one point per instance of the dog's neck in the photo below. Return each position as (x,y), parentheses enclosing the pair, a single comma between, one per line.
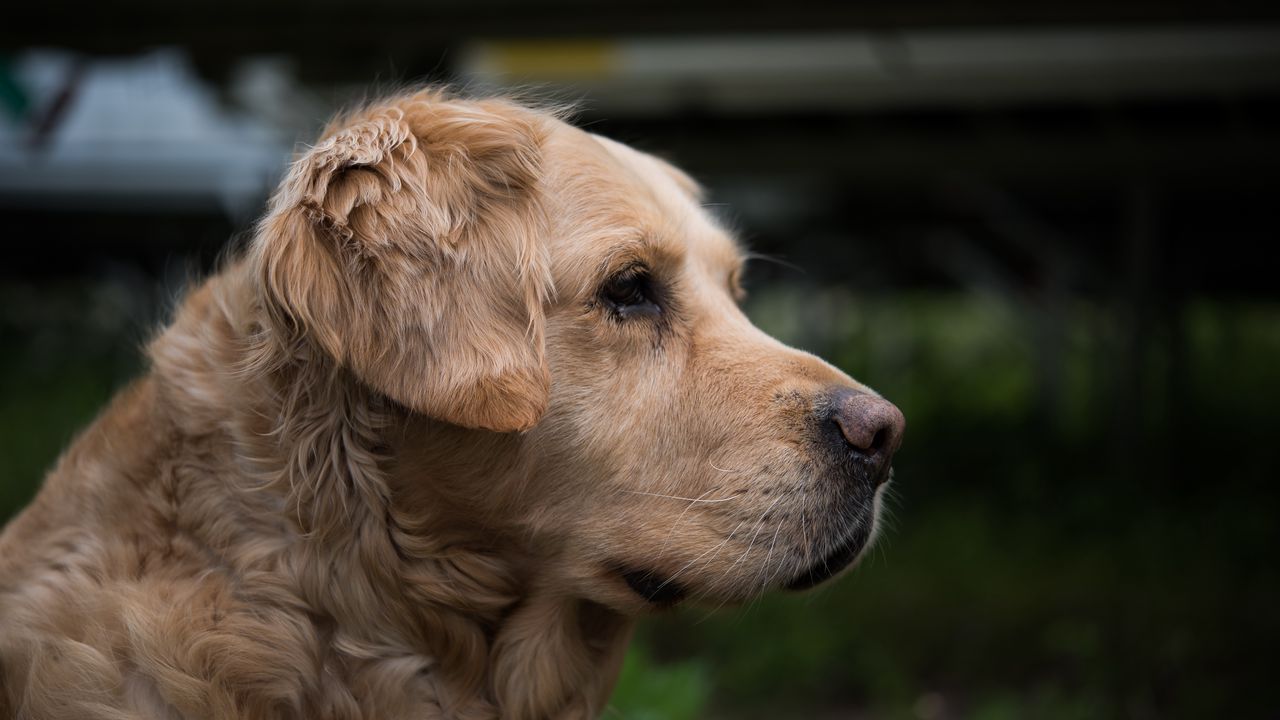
(373,546)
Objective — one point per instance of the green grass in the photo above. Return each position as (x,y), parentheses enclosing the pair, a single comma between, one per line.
(68,348)
(650,691)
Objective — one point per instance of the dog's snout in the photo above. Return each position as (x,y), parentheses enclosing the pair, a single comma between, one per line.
(870,426)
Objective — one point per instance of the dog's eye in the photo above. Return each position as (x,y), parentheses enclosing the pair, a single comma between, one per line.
(630,293)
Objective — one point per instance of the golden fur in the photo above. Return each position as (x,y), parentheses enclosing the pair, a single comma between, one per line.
(395,461)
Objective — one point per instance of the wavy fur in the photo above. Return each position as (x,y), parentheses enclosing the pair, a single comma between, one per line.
(348,488)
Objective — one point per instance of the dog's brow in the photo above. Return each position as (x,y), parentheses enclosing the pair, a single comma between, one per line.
(720,251)
(647,248)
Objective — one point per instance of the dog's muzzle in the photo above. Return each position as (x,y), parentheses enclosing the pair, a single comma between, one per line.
(858,433)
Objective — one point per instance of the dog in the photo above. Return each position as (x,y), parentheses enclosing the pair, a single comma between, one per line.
(476,395)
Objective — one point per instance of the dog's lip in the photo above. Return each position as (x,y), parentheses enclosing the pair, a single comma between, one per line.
(653,587)
(833,562)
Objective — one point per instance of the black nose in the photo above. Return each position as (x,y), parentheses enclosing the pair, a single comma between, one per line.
(870,426)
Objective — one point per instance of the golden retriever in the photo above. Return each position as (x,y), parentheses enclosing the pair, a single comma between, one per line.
(477,395)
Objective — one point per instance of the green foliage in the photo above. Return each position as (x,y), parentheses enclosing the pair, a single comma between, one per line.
(67,349)
(652,691)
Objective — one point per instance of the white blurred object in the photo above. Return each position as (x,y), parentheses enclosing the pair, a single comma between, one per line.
(141,132)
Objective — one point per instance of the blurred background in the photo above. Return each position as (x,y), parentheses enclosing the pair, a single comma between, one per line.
(1044,230)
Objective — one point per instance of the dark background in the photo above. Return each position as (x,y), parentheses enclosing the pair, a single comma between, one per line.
(1044,230)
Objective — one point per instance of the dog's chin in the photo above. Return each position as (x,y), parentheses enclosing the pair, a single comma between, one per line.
(659,591)
(834,554)
(843,555)
(834,559)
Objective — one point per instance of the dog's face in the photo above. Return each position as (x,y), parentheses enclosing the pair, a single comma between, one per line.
(655,444)
(689,452)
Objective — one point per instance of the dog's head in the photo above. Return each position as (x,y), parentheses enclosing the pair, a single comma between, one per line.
(559,317)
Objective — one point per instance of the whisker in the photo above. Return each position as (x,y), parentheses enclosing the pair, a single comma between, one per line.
(752,542)
(708,561)
(752,256)
(677,497)
(804,531)
(667,540)
(704,553)
(769,557)
(750,545)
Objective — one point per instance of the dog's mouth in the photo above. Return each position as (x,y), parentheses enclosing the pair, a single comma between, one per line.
(847,550)
(662,591)
(834,561)
(654,588)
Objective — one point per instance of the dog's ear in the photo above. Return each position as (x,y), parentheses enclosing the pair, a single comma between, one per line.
(406,246)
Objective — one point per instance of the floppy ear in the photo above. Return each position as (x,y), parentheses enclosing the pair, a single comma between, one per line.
(405,245)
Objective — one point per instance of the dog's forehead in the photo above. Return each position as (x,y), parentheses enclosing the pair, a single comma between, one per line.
(656,173)
(614,195)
